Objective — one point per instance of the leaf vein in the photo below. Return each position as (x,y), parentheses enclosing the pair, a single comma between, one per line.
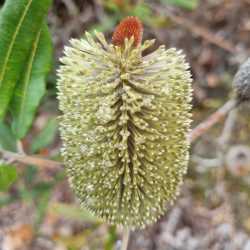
(28,75)
(13,41)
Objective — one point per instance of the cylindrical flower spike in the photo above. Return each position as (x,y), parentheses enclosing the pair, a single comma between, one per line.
(241,82)
(124,126)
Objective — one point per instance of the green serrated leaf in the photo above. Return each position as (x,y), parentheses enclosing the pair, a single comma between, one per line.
(32,85)
(8,175)
(7,139)
(19,22)
(186,4)
(46,136)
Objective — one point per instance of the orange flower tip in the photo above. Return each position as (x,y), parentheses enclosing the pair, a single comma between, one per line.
(127,28)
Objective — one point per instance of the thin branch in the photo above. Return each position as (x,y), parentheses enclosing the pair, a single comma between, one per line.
(206,162)
(230,122)
(204,33)
(212,120)
(30,160)
(125,239)
(72,8)
(20,149)
(200,31)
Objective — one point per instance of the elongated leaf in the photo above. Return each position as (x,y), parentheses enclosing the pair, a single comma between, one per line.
(7,139)
(46,136)
(19,22)
(186,4)
(42,205)
(32,84)
(8,175)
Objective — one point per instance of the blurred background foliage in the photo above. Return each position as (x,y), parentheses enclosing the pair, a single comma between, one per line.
(37,208)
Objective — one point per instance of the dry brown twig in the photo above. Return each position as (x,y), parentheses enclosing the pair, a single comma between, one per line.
(200,31)
(204,33)
(30,160)
(212,120)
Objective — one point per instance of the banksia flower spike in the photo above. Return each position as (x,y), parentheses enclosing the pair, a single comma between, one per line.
(124,124)
(241,82)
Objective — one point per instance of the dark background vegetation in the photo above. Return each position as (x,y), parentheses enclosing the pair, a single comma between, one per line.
(38,211)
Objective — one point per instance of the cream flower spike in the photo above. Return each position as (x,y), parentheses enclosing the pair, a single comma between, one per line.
(124,124)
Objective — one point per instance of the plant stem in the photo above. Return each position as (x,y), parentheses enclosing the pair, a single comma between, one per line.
(212,119)
(20,149)
(125,239)
(30,160)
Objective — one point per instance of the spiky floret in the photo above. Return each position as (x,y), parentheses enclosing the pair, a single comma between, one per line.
(124,127)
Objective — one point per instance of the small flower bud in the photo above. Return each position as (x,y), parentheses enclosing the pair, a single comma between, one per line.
(128,27)
(124,125)
(241,81)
